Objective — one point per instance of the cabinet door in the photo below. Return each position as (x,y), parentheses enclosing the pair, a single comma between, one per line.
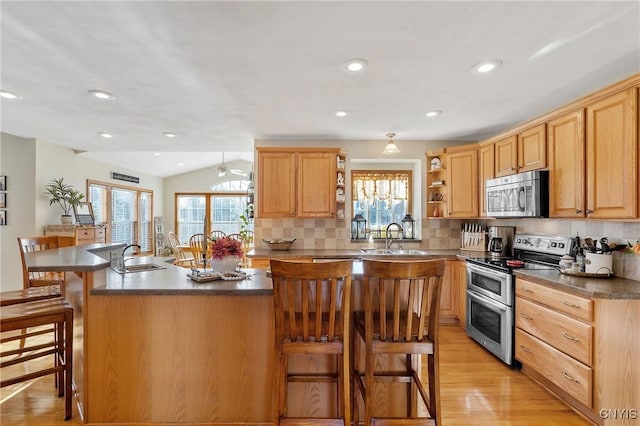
(566,165)
(459,280)
(276,184)
(506,152)
(316,184)
(532,148)
(487,171)
(448,298)
(462,183)
(612,149)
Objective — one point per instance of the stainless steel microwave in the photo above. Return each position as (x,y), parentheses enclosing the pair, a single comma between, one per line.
(520,195)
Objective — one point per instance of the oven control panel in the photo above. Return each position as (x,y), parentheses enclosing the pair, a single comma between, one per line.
(557,245)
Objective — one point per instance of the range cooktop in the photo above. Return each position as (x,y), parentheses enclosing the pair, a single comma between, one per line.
(508,264)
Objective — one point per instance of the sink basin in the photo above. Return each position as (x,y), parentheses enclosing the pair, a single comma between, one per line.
(376,251)
(141,267)
(410,252)
(394,252)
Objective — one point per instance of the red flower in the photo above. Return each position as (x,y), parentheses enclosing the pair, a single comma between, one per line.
(223,247)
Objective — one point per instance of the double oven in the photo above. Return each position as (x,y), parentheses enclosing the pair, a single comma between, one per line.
(491,289)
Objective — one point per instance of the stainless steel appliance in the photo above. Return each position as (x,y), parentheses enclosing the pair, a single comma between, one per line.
(504,234)
(491,289)
(520,195)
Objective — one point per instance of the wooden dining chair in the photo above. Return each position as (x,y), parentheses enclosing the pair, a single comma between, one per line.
(39,279)
(216,234)
(198,244)
(56,317)
(312,317)
(401,316)
(183,258)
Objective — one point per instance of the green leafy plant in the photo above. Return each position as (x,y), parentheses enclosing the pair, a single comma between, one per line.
(63,194)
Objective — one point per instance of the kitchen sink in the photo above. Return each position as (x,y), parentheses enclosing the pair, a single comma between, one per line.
(394,252)
(141,267)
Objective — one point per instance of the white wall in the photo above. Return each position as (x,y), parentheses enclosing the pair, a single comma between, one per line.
(29,165)
(196,181)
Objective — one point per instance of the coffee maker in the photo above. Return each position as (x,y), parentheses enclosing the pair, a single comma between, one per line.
(500,240)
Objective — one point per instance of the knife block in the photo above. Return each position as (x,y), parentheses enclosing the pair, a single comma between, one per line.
(473,241)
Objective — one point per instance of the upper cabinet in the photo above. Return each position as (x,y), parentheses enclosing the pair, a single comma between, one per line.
(486,171)
(532,148)
(462,181)
(612,156)
(567,165)
(297,182)
(522,152)
(506,156)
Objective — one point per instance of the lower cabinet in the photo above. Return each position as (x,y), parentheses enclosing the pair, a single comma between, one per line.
(77,235)
(584,350)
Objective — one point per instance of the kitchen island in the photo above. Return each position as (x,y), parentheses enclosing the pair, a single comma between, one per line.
(156,347)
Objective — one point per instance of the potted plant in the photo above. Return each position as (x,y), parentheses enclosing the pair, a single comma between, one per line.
(65,195)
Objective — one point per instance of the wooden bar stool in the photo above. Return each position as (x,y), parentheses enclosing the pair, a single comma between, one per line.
(30,294)
(312,317)
(401,317)
(49,312)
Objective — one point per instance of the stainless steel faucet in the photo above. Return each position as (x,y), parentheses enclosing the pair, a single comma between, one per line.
(123,252)
(388,242)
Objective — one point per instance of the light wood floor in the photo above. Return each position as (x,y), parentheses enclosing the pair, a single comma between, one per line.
(476,389)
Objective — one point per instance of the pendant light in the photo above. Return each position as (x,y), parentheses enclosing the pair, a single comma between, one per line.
(391,147)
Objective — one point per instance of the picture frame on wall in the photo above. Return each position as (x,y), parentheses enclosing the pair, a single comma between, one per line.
(3,217)
(3,200)
(3,183)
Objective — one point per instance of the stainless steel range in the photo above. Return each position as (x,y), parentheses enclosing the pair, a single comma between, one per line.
(491,289)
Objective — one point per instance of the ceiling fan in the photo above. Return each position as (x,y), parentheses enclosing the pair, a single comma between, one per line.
(223,170)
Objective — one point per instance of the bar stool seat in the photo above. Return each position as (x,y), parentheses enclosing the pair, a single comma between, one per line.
(30,294)
(312,317)
(54,312)
(401,317)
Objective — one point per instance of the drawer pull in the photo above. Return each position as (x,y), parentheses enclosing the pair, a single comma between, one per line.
(570,378)
(525,349)
(575,339)
(571,305)
(526,317)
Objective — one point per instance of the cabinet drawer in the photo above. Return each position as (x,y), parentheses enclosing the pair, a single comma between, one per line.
(100,235)
(86,234)
(570,375)
(566,334)
(576,306)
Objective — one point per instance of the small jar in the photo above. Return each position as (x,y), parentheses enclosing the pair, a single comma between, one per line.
(566,262)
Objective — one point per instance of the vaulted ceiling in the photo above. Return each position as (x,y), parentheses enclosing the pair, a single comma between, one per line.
(221,74)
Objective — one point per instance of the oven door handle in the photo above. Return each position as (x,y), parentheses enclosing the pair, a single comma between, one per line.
(487,301)
(486,271)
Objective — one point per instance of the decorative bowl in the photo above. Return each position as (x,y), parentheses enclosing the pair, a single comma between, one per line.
(279,243)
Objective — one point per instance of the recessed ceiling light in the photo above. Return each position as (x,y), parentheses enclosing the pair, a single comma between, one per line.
(355,65)
(180,164)
(100,94)
(170,135)
(157,154)
(486,66)
(341,113)
(434,113)
(105,135)
(8,95)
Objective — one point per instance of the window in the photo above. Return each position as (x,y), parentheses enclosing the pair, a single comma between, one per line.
(222,207)
(381,197)
(128,212)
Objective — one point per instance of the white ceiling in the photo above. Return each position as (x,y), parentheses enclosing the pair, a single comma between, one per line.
(221,74)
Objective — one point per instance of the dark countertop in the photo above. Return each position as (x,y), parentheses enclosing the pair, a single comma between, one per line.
(351,254)
(599,288)
(173,280)
(75,258)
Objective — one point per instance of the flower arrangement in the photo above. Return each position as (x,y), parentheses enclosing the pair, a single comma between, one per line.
(222,247)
